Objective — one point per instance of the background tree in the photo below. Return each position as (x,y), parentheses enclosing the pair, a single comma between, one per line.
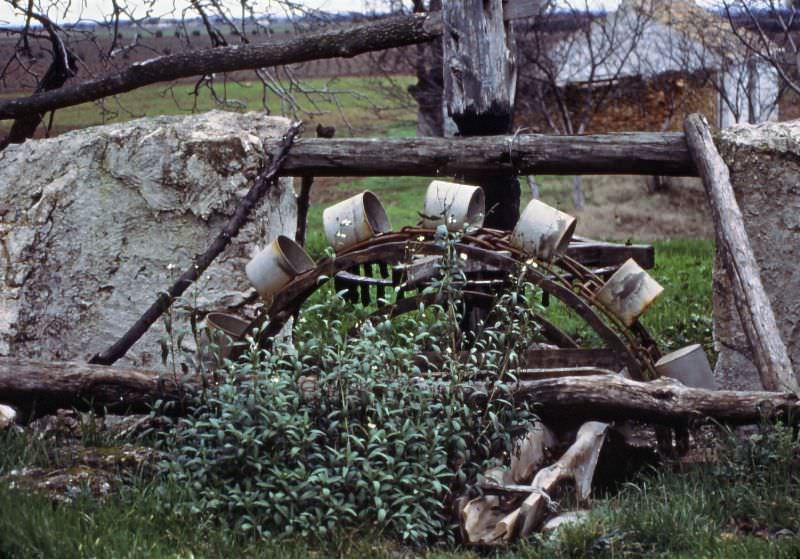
(116,46)
(767,31)
(573,58)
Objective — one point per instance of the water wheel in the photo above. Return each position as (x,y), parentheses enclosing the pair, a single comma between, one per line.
(389,273)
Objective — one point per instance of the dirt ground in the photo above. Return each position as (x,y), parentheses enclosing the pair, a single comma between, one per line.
(620,207)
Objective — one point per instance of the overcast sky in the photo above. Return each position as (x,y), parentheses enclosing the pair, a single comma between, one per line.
(94,9)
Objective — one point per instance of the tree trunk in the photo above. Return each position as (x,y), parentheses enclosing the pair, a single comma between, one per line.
(428,89)
(534,187)
(578,199)
(733,244)
(480,81)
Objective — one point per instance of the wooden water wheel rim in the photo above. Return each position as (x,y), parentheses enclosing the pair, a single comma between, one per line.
(490,247)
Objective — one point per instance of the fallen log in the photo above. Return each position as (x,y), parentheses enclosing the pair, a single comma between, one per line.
(733,244)
(660,402)
(38,388)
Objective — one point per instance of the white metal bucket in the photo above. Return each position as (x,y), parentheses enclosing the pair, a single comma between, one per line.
(222,329)
(354,220)
(456,205)
(543,231)
(277,265)
(628,292)
(7,416)
(689,365)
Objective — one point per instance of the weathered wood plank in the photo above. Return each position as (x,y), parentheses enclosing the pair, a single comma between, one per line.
(733,244)
(644,153)
(598,253)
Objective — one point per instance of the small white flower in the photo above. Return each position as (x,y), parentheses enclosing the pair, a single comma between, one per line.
(463,256)
(371,425)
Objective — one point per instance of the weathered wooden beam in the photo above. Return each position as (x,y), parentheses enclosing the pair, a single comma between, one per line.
(599,253)
(644,153)
(37,388)
(733,244)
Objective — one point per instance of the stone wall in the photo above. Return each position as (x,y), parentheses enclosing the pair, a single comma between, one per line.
(764,161)
(94,223)
(632,104)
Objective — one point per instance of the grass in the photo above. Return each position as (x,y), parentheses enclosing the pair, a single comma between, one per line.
(360,102)
(746,504)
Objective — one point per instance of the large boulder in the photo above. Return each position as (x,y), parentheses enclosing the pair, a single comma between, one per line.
(95,223)
(764,161)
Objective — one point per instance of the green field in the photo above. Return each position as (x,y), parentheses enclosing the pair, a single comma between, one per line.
(365,106)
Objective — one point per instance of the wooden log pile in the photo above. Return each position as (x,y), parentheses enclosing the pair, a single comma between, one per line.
(516,501)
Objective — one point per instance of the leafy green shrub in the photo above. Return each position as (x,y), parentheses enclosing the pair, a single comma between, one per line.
(345,432)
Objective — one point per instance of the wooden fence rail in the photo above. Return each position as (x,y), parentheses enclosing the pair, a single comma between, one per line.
(641,153)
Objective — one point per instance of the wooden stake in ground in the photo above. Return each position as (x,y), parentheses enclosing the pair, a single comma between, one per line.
(265,180)
(755,310)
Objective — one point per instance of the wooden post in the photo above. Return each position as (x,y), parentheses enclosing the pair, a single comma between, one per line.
(755,310)
(480,81)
